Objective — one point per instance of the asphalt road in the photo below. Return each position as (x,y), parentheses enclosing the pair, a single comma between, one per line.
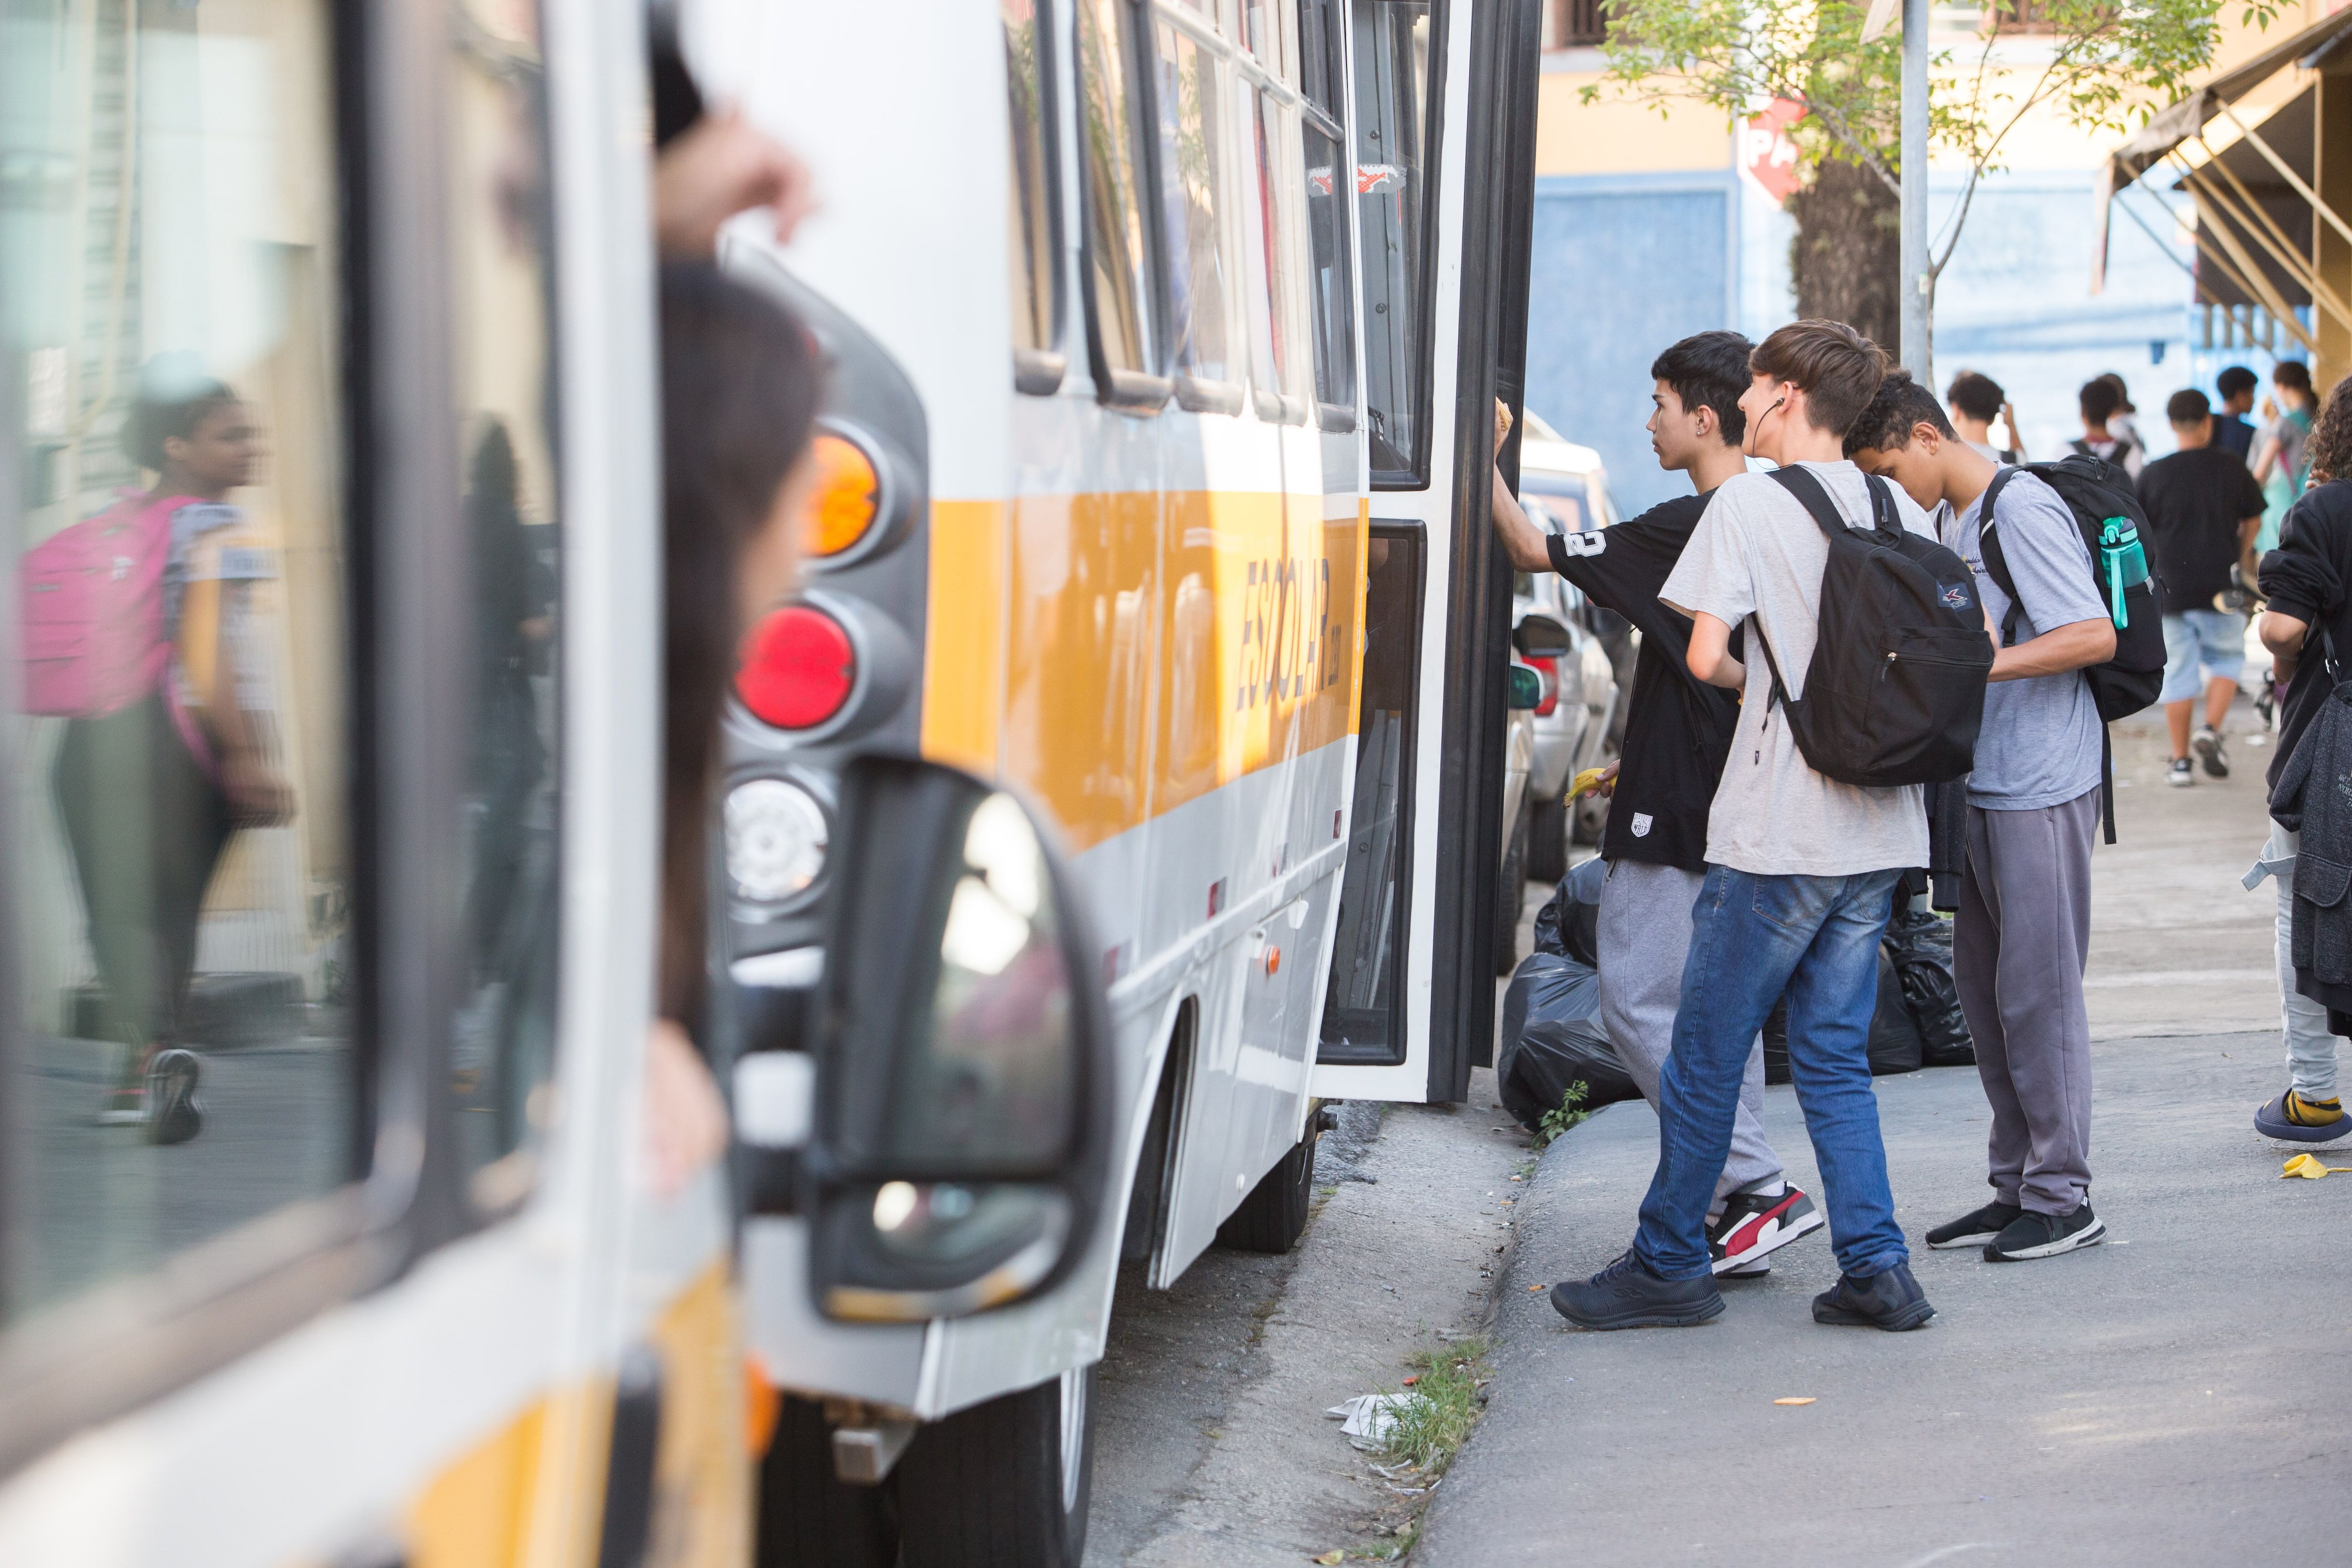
(2181,1395)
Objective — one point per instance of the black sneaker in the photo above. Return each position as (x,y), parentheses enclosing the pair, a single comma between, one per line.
(1891,1301)
(174,1115)
(1628,1295)
(2181,774)
(1975,1229)
(2032,1235)
(1752,1224)
(2207,743)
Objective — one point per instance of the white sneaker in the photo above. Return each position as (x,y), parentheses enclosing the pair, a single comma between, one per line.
(2180,775)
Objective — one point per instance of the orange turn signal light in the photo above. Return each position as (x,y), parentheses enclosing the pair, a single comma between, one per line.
(847,497)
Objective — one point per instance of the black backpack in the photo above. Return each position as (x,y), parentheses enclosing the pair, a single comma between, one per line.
(2097,492)
(1895,694)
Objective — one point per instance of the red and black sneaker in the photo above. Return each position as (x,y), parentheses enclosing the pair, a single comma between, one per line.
(1755,1224)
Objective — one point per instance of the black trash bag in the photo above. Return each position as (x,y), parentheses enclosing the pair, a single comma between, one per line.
(1578,894)
(1552,1038)
(1896,1043)
(1921,946)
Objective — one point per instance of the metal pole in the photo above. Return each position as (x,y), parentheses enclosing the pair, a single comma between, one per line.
(1917,328)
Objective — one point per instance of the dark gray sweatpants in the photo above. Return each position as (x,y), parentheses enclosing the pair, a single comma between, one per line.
(2018,949)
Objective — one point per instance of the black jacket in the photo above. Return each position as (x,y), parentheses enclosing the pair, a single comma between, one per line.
(2311,798)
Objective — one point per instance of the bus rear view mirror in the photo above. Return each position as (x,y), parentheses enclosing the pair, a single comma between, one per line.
(1540,636)
(963,1054)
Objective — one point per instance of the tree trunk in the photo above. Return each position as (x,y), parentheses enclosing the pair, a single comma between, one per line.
(1847,260)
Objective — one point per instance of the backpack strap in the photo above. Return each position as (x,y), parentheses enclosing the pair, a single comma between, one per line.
(1996,561)
(1807,492)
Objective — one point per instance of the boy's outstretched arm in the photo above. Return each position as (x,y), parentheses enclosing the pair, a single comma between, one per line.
(1522,540)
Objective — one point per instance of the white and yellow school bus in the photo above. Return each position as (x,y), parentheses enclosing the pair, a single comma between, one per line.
(328,840)
(1164,337)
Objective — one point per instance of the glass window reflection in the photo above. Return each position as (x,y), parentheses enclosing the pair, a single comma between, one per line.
(178,901)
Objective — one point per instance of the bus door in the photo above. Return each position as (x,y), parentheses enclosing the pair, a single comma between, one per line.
(1444,94)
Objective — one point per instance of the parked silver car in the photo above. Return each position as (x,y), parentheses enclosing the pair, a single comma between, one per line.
(1580,723)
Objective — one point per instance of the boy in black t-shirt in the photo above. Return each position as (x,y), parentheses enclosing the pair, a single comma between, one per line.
(1678,733)
(2203,511)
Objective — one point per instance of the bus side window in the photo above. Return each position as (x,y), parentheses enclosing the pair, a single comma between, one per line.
(1277,341)
(178,1062)
(502,296)
(1034,222)
(1393,72)
(1331,298)
(1124,331)
(1195,116)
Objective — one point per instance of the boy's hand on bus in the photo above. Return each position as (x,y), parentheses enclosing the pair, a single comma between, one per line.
(1502,424)
(720,165)
(685,1119)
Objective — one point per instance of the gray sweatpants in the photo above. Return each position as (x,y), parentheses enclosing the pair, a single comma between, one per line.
(2018,949)
(1645,935)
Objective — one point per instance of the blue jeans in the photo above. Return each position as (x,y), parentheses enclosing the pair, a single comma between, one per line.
(1752,938)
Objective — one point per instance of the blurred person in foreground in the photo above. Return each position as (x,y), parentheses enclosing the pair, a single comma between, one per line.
(2023,931)
(739,394)
(2203,511)
(1800,873)
(1977,401)
(2307,623)
(1678,734)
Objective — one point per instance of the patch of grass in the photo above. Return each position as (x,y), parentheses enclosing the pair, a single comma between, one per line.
(1388,1547)
(1436,1413)
(1570,1113)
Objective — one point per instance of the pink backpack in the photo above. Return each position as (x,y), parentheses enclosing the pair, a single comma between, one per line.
(93,610)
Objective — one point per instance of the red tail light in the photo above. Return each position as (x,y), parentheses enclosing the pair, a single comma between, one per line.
(1548,672)
(798,668)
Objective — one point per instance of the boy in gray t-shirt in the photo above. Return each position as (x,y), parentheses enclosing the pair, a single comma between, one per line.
(2023,929)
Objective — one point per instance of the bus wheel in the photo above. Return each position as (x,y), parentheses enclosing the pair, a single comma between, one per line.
(807,1517)
(1511,897)
(1002,1485)
(1275,1214)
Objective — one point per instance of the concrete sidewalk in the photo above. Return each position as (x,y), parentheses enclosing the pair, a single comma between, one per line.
(2181,1395)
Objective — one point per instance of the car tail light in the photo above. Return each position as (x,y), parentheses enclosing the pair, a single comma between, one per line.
(1548,672)
(798,668)
(847,497)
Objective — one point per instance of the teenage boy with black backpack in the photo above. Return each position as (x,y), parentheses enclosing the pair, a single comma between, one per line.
(1800,868)
(1677,733)
(2023,929)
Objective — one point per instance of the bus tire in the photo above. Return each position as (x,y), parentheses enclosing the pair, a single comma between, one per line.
(807,1517)
(1005,1484)
(1274,1215)
(1511,897)
(1548,842)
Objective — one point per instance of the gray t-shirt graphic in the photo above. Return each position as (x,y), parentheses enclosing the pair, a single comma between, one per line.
(1759,552)
(2039,743)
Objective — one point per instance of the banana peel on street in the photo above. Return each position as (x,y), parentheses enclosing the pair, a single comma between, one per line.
(2309,1166)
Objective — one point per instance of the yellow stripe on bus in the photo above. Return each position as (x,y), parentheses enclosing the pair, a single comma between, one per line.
(1122,654)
